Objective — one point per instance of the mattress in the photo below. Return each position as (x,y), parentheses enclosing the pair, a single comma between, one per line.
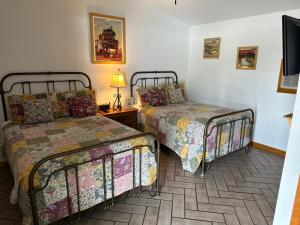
(181,127)
(28,144)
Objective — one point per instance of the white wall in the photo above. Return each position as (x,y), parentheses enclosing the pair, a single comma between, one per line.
(41,35)
(291,171)
(218,82)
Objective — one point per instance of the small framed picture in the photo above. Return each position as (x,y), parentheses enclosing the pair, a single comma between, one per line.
(211,48)
(129,102)
(247,58)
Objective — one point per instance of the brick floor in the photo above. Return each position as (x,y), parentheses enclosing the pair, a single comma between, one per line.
(239,189)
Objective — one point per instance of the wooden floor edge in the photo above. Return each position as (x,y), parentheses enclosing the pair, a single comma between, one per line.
(295,220)
(268,148)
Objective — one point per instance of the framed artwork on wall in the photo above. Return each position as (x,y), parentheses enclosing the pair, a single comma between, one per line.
(211,48)
(247,58)
(287,84)
(107,39)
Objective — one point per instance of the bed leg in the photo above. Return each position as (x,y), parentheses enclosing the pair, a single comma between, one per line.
(158,167)
(248,148)
(203,157)
(203,169)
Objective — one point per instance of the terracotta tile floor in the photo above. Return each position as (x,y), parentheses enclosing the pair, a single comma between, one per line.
(239,189)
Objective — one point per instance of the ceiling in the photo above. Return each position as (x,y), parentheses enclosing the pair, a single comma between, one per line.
(195,12)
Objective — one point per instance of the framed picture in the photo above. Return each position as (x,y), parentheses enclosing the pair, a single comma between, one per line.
(107,39)
(247,58)
(211,48)
(129,102)
(287,84)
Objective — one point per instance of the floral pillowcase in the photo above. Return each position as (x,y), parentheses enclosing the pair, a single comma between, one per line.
(171,87)
(157,98)
(176,90)
(144,95)
(59,103)
(37,111)
(83,106)
(176,96)
(15,103)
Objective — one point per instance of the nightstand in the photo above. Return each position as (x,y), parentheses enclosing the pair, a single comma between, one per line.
(127,117)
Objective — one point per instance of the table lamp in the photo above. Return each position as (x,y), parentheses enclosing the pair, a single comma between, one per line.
(118,81)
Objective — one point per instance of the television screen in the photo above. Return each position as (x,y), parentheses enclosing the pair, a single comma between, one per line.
(291,45)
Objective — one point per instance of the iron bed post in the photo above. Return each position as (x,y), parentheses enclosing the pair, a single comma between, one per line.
(208,132)
(153,148)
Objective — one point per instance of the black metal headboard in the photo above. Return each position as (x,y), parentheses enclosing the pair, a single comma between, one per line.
(82,79)
(156,76)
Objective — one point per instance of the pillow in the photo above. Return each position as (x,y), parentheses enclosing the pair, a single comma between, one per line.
(83,106)
(60,101)
(66,95)
(59,108)
(37,111)
(144,95)
(87,92)
(15,104)
(176,96)
(157,98)
(173,86)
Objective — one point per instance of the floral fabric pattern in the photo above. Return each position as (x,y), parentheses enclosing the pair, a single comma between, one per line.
(59,108)
(15,103)
(157,98)
(143,95)
(181,127)
(176,95)
(37,111)
(83,107)
(59,103)
(28,144)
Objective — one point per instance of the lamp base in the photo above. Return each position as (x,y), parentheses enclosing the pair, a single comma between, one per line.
(117,103)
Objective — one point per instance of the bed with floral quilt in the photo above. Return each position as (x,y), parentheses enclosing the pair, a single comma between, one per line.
(190,129)
(58,195)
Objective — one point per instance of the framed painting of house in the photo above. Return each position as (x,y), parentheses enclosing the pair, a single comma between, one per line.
(107,39)
(287,84)
(211,48)
(247,58)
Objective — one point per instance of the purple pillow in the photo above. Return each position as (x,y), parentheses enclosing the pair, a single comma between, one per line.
(83,106)
(157,98)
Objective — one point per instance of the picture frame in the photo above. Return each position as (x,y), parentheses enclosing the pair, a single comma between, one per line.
(287,84)
(108,43)
(129,102)
(211,49)
(246,58)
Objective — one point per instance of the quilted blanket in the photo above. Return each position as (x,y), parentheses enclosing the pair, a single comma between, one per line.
(181,127)
(28,144)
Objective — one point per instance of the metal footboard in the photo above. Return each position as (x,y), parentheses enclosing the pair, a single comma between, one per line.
(246,120)
(33,191)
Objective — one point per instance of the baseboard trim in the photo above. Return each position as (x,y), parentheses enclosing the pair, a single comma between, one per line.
(3,164)
(267,148)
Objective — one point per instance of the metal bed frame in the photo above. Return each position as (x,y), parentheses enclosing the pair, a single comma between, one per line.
(170,77)
(85,82)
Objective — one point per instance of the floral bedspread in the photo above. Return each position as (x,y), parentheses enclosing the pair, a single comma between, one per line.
(28,144)
(181,127)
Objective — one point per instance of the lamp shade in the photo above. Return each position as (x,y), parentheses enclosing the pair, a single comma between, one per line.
(119,80)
